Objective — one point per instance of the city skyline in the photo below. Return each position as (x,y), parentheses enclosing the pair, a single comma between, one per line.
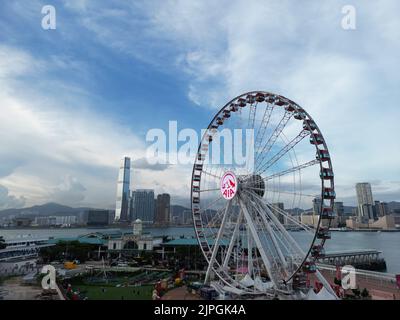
(69,115)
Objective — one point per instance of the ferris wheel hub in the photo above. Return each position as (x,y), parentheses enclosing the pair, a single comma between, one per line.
(229,185)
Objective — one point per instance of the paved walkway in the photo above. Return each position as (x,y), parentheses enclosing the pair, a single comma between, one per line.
(380,290)
(180,293)
(13,289)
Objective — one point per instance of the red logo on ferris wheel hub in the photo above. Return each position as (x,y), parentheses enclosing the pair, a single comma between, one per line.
(228,185)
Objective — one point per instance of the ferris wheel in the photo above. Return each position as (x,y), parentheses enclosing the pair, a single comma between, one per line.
(247,209)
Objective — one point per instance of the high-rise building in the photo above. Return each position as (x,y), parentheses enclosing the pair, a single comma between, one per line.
(338,208)
(163,209)
(381,209)
(277,208)
(143,207)
(365,201)
(317,206)
(98,218)
(122,204)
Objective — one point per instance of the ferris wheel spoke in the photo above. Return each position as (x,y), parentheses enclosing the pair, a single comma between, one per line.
(285,172)
(252,115)
(282,152)
(264,125)
(277,235)
(272,235)
(257,240)
(209,190)
(216,217)
(211,174)
(271,141)
(216,242)
(290,170)
(212,204)
(287,216)
(233,240)
(284,192)
(251,122)
(282,229)
(291,251)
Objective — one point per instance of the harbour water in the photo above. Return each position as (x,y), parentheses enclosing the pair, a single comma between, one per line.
(387,242)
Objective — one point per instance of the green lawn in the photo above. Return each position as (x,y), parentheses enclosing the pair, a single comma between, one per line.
(94,292)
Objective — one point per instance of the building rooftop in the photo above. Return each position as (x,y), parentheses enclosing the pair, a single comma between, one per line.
(192,242)
(86,240)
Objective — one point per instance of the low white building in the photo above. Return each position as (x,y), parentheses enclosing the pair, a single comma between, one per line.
(116,244)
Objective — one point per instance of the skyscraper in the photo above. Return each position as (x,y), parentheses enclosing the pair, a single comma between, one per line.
(365,201)
(381,209)
(143,205)
(317,202)
(163,212)
(338,209)
(98,218)
(121,209)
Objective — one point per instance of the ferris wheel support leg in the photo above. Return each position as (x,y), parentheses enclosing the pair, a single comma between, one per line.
(274,240)
(257,240)
(216,244)
(232,242)
(249,254)
(272,216)
(326,284)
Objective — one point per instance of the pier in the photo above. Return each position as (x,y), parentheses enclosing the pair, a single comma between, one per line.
(366,259)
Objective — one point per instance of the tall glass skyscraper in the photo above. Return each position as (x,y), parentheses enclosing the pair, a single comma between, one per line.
(124,180)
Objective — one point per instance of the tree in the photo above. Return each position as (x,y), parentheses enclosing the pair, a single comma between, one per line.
(2,243)
(356,292)
(365,293)
(337,281)
(67,250)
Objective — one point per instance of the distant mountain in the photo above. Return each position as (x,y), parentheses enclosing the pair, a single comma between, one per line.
(394,205)
(48,209)
(177,210)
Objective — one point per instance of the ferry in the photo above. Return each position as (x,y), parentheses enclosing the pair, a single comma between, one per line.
(20,255)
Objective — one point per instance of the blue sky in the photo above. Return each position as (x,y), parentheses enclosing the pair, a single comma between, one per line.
(76,99)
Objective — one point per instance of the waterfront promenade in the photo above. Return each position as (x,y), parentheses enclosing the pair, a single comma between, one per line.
(381,286)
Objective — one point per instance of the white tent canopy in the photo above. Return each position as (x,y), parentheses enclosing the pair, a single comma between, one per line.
(262,286)
(323,294)
(233,290)
(247,281)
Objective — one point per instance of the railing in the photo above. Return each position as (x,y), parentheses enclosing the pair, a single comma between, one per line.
(385,280)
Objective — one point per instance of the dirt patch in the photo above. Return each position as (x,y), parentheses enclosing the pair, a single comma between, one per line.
(14,289)
(180,294)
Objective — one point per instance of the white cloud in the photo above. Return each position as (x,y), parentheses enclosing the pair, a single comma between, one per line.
(58,148)
(44,138)
(8,201)
(70,190)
